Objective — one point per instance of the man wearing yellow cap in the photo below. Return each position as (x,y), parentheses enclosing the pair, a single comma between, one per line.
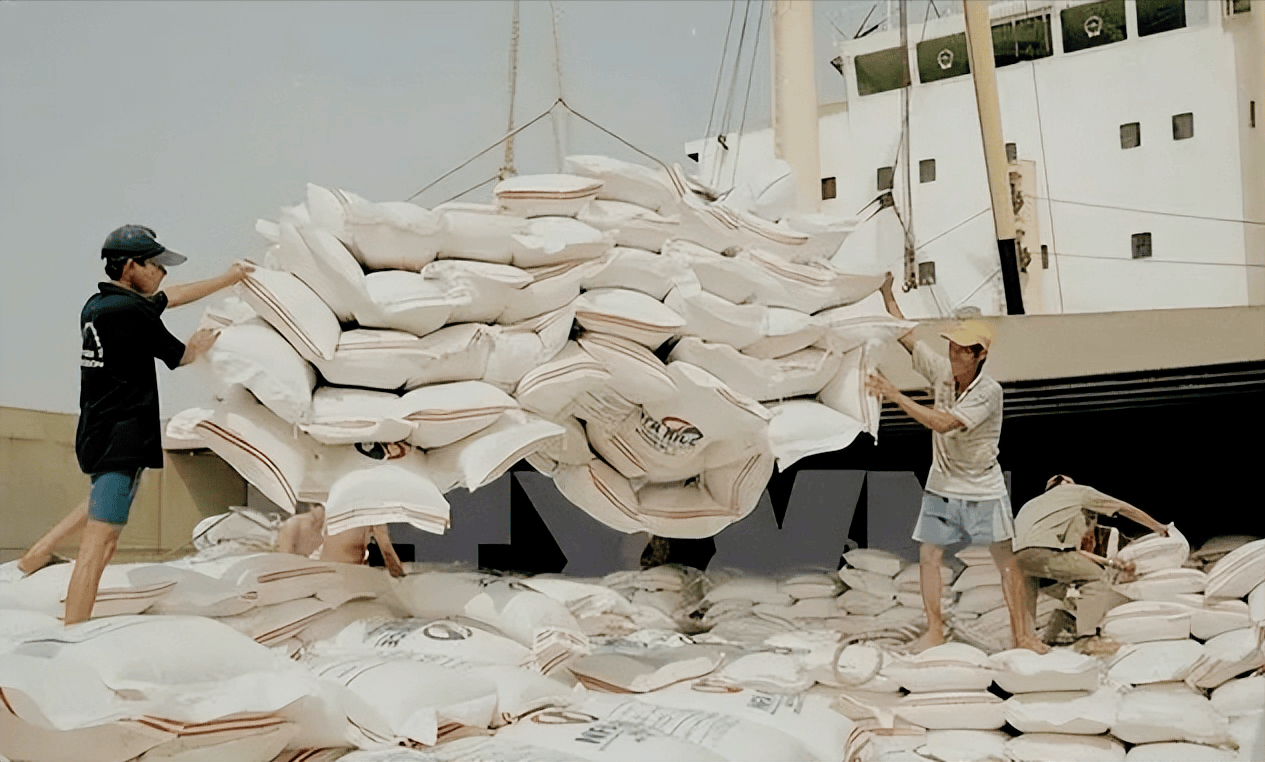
(965,496)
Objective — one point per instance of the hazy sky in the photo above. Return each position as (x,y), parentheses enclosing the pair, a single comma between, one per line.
(197,118)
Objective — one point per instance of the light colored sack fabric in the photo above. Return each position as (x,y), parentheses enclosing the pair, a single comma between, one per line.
(786,331)
(979,575)
(1019,670)
(1168,712)
(539,195)
(1164,585)
(444,413)
(846,392)
(519,349)
(869,582)
(752,589)
(630,225)
(441,637)
(1239,698)
(1189,752)
(1226,656)
(811,287)
(964,710)
(555,240)
(533,619)
(965,746)
(799,374)
(44,591)
(398,491)
(263,449)
(1160,661)
(852,326)
(1209,619)
(1056,747)
(1238,572)
(268,578)
(274,625)
(812,586)
(624,181)
(478,233)
(552,287)
(378,359)
(1154,552)
(975,555)
(636,374)
(239,525)
(237,738)
(734,279)
(552,387)
(321,261)
(640,270)
(259,358)
(875,560)
(409,301)
(491,287)
(779,673)
(946,667)
(327,210)
(644,671)
(1144,621)
(980,600)
(601,492)
(718,320)
(865,604)
(1072,712)
(342,416)
(628,314)
(481,458)
(298,314)
(909,580)
(393,235)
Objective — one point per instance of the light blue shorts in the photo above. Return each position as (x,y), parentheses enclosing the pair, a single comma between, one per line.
(946,520)
(112,494)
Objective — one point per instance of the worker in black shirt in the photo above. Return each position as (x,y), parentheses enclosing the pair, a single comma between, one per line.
(119,432)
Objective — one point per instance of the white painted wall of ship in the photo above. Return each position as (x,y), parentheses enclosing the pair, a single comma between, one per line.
(1075,103)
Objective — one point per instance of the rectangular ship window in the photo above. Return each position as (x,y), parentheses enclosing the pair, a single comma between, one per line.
(885,175)
(1141,245)
(827,188)
(1021,40)
(1092,25)
(1130,135)
(1183,126)
(1155,16)
(927,171)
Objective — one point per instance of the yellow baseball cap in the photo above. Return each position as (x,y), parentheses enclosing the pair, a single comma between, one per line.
(971,332)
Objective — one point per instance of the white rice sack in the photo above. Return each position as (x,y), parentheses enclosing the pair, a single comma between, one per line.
(393,235)
(647,670)
(269,578)
(869,582)
(864,604)
(946,667)
(197,594)
(540,195)
(799,374)
(44,591)
(1073,712)
(980,600)
(977,576)
(910,578)
(601,492)
(552,287)
(630,225)
(295,310)
(1238,698)
(274,625)
(519,349)
(1161,661)
(259,358)
(1209,619)
(433,595)
(1155,552)
(850,327)
(322,262)
(532,619)
(1164,585)
(874,560)
(751,589)
(715,319)
(627,730)
(1168,712)
(441,414)
(735,279)
(237,525)
(260,447)
(846,391)
(477,233)
(811,287)
(640,270)
(253,738)
(635,372)
(689,511)
(378,360)
(327,210)
(409,301)
(1215,548)
(420,702)
(491,749)
(342,416)
(778,673)
(559,240)
(1248,733)
(490,287)
(552,387)
(481,458)
(785,331)
(628,314)
(1226,656)
(1188,752)
(624,181)
(387,493)
(965,746)
(812,585)
(962,710)
(1019,670)
(1056,747)
(975,555)
(1237,572)
(1144,621)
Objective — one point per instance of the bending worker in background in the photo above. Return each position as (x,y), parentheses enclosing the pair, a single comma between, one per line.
(304,534)
(965,496)
(119,433)
(1055,538)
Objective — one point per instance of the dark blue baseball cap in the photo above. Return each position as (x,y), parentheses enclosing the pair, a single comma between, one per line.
(141,244)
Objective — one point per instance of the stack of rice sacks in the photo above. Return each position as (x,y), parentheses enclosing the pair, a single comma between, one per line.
(655,351)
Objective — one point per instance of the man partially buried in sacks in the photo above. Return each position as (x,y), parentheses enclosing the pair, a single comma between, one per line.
(965,496)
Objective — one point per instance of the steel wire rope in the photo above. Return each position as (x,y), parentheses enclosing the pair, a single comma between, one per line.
(720,71)
(557,66)
(1045,163)
(472,188)
(726,113)
(742,125)
(1163,261)
(1207,218)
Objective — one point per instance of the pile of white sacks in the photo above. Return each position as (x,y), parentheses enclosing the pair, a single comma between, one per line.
(236,654)
(654,350)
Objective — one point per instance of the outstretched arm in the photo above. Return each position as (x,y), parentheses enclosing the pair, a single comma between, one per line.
(185,293)
(936,420)
(383,537)
(1139,516)
(893,309)
(198,344)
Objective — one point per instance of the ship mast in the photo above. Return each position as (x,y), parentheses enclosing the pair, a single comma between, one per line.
(795,99)
(979,46)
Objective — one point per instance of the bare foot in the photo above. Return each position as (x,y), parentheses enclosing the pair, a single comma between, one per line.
(28,565)
(1032,644)
(927,640)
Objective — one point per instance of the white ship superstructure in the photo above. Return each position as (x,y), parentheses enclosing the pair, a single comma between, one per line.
(1132,129)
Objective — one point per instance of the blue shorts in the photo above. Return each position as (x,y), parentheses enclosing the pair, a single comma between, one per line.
(946,520)
(112,494)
